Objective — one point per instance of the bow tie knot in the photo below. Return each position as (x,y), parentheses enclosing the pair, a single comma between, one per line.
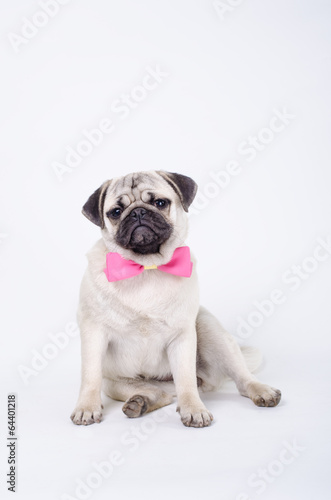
(118,268)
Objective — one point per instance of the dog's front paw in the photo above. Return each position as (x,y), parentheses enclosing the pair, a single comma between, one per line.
(263,395)
(87,414)
(195,416)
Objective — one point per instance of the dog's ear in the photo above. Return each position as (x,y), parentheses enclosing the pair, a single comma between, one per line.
(93,208)
(184,186)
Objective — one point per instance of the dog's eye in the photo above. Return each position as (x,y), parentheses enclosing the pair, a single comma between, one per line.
(161,203)
(115,213)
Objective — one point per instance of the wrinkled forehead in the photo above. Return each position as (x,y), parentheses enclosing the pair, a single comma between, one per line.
(137,187)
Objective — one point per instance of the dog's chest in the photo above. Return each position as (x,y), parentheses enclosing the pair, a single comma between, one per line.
(140,350)
(145,304)
(143,330)
(146,327)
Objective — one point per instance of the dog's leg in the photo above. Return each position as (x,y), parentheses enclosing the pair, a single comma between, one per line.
(182,359)
(93,347)
(219,355)
(140,397)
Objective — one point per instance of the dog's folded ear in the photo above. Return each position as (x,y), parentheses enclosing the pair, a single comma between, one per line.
(184,186)
(93,208)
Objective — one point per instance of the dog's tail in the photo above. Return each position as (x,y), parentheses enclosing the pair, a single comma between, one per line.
(253,357)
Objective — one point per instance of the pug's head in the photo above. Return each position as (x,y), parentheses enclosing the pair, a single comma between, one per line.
(142,215)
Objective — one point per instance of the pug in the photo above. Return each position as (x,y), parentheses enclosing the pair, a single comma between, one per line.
(144,336)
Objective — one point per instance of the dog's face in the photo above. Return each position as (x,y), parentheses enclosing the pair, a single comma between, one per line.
(142,215)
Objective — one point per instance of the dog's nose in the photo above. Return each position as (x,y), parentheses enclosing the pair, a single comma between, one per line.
(138,213)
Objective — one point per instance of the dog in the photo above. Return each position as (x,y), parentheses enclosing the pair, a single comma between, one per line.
(144,336)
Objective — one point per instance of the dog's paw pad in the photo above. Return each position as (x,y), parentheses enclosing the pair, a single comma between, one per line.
(135,406)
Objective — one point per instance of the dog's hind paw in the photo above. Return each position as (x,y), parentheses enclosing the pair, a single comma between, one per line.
(263,395)
(135,406)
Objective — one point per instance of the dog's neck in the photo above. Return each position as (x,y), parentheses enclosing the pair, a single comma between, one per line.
(158,259)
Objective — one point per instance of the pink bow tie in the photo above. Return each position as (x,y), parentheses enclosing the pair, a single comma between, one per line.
(120,269)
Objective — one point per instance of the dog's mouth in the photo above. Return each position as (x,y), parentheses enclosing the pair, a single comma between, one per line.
(144,236)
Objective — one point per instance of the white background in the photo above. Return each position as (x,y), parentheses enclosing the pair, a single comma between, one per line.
(226,76)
